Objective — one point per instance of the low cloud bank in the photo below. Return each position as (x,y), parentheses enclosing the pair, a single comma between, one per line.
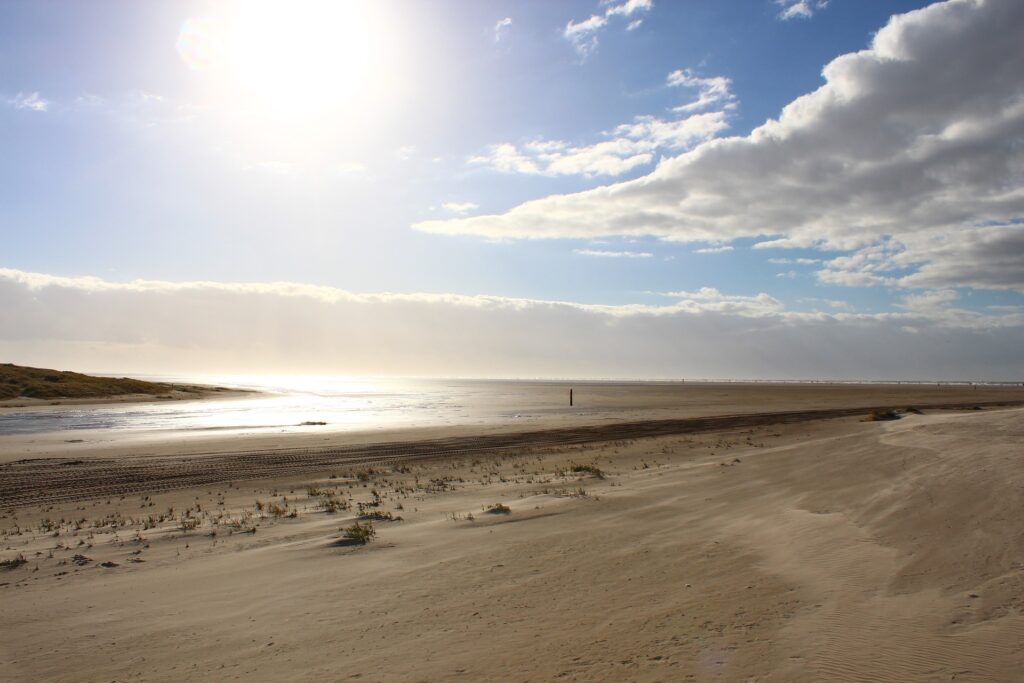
(146,326)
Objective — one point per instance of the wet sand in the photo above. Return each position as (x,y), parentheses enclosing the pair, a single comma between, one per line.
(514,407)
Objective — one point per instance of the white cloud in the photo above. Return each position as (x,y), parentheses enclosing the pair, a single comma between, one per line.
(150,326)
(929,301)
(989,257)
(626,147)
(405,152)
(799,9)
(459,207)
(713,250)
(908,145)
(501,27)
(711,299)
(795,261)
(714,90)
(583,34)
(612,254)
(31,101)
(628,8)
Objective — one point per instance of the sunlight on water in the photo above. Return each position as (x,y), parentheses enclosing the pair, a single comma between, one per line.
(286,402)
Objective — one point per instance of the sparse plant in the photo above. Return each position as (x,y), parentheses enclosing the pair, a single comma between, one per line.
(594,470)
(359,533)
(498,509)
(881,415)
(331,504)
(13,563)
(379,516)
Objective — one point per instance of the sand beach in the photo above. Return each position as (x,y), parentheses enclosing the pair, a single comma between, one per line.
(799,548)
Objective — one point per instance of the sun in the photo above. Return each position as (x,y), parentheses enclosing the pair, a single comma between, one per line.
(310,56)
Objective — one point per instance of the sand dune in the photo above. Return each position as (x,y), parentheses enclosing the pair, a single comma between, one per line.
(832,550)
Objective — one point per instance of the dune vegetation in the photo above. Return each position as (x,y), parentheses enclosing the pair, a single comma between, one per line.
(23,382)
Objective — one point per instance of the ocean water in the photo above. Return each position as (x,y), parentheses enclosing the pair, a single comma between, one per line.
(285,402)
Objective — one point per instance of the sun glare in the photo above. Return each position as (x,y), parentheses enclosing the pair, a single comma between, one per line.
(300,57)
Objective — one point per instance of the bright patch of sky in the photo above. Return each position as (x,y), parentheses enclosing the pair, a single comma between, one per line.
(596,152)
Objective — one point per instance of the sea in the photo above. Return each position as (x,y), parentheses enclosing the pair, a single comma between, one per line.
(300,403)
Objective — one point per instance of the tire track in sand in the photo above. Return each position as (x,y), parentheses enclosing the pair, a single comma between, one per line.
(47,481)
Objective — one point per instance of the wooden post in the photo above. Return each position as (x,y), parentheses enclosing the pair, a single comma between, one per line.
(570,398)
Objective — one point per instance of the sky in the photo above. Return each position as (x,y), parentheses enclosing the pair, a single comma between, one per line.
(590,188)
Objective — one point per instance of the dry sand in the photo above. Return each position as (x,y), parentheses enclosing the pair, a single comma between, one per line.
(829,550)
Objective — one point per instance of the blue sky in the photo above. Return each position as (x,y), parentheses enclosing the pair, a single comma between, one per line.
(394,147)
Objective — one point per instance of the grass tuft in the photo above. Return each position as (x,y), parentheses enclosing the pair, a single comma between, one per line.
(594,470)
(359,533)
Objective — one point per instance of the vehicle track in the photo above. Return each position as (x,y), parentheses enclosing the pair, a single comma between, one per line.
(47,481)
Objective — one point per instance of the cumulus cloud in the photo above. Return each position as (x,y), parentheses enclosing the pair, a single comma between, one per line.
(31,101)
(907,144)
(991,257)
(583,34)
(714,250)
(150,326)
(799,9)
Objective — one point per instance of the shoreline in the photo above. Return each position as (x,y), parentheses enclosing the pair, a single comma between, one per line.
(490,408)
(50,480)
(206,392)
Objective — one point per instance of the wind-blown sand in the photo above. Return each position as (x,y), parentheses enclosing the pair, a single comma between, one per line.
(834,550)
